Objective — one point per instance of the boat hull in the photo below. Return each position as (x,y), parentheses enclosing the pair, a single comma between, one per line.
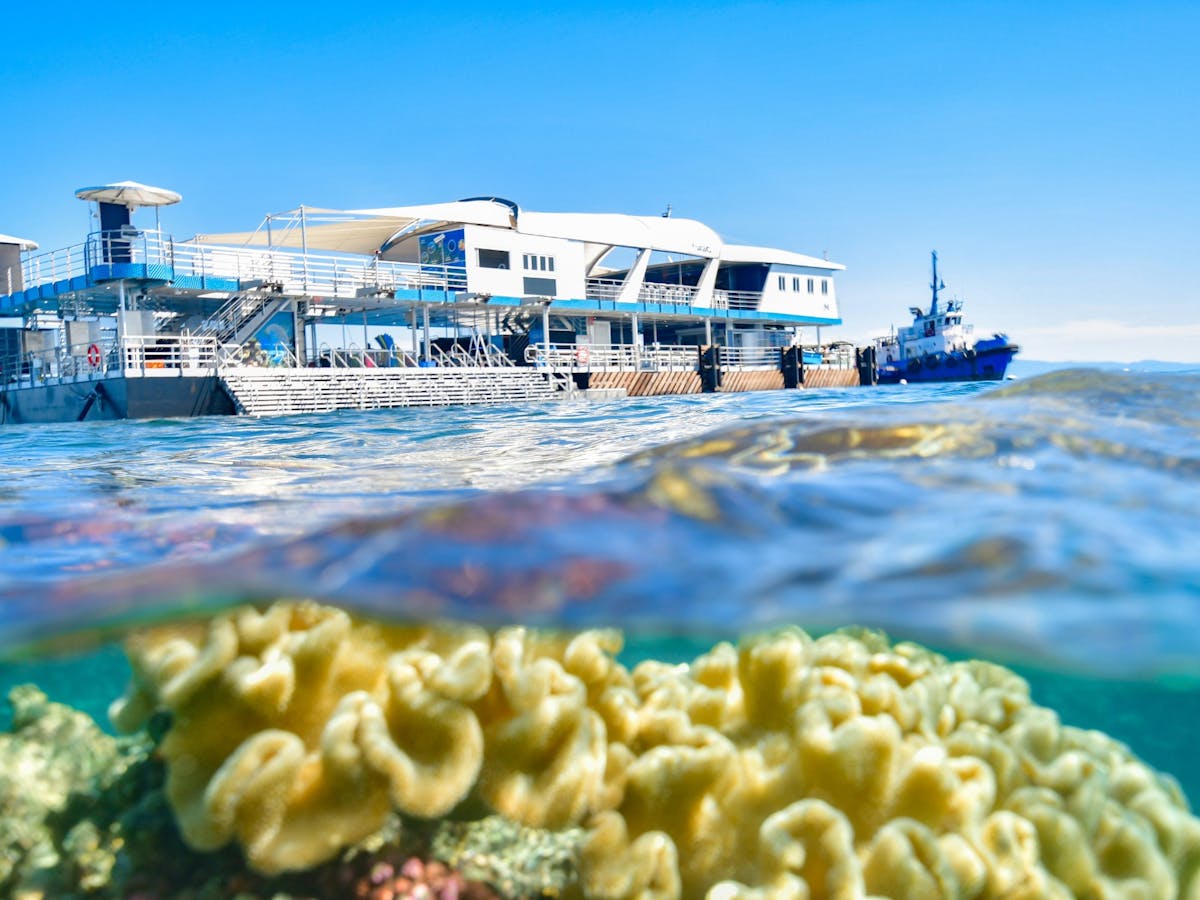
(987,362)
(116,397)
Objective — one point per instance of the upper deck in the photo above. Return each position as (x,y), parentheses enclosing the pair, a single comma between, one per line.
(463,255)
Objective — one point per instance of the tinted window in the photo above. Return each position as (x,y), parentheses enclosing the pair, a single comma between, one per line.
(540,287)
(493,259)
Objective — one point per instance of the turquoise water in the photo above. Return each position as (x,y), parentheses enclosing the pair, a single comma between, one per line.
(1048,524)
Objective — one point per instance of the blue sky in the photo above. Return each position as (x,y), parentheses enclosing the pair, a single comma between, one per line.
(1049,152)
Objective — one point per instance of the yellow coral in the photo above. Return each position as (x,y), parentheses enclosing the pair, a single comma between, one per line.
(780,769)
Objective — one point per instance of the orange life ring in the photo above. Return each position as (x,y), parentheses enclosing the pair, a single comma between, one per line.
(93,356)
(582,356)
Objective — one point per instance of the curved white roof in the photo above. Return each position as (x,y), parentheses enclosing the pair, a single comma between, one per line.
(617,230)
(746,253)
(365,231)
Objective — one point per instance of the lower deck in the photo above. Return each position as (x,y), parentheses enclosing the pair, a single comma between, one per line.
(185,377)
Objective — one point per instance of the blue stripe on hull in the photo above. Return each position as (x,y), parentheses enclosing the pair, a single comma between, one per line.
(988,365)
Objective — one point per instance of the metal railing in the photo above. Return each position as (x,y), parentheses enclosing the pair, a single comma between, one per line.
(614,357)
(137,354)
(751,357)
(610,289)
(290,271)
(737,299)
(477,356)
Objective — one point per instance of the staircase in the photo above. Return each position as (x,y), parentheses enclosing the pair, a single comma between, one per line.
(286,391)
(241,316)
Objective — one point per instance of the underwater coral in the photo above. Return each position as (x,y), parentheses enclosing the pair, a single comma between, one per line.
(785,767)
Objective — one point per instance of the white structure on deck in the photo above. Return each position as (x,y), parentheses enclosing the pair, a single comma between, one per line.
(131,322)
(509,252)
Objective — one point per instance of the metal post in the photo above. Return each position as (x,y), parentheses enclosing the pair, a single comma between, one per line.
(708,332)
(413,328)
(633,336)
(546,332)
(304,244)
(425,313)
(366,339)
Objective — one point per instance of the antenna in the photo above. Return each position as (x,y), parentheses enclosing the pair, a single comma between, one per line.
(935,284)
(667,214)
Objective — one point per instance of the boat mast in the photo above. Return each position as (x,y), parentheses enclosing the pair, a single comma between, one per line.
(935,284)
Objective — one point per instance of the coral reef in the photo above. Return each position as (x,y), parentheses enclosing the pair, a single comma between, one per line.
(517,860)
(85,815)
(785,767)
(51,754)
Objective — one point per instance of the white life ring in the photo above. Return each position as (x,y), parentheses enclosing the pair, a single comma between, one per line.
(582,356)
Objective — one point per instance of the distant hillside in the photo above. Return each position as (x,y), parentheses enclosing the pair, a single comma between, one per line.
(1028,368)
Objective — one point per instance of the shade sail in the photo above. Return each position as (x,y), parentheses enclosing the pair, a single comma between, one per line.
(129,193)
(363,236)
(361,230)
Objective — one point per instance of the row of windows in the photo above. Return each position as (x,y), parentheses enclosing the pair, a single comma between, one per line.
(498,259)
(796,284)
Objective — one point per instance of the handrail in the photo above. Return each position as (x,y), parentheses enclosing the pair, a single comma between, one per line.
(614,357)
(649,292)
(91,360)
(287,269)
(750,357)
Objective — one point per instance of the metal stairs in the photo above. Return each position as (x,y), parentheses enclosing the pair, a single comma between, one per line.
(241,316)
(287,391)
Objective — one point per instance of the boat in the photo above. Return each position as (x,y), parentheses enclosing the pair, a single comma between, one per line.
(468,301)
(939,347)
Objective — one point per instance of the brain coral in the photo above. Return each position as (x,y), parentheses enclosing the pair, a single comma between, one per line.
(785,767)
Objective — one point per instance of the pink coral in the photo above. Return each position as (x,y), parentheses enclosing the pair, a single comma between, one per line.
(417,879)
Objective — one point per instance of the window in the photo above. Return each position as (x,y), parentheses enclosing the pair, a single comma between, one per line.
(810,285)
(782,283)
(535,263)
(796,283)
(540,287)
(493,259)
(824,285)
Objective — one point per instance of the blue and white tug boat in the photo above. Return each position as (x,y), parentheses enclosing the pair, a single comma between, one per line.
(939,347)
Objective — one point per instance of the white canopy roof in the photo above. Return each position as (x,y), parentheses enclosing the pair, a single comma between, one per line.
(745,253)
(23,243)
(616,230)
(364,231)
(129,193)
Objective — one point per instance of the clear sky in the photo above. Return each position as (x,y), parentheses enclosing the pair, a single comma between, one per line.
(1049,151)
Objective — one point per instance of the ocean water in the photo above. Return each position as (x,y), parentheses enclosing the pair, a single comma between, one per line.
(1048,524)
